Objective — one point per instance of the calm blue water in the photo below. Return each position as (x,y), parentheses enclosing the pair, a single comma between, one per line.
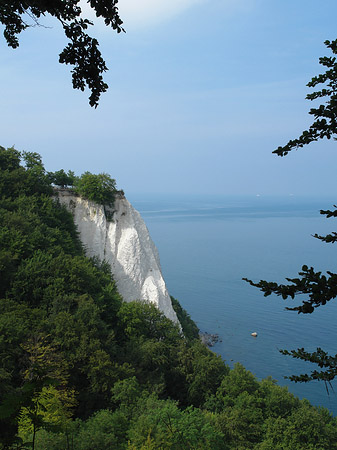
(206,246)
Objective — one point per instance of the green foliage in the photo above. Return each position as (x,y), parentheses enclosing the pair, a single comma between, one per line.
(242,423)
(82,50)
(141,319)
(165,426)
(126,392)
(16,180)
(82,370)
(9,159)
(277,400)
(318,288)
(238,381)
(203,371)
(105,430)
(61,178)
(190,329)
(305,428)
(16,324)
(44,278)
(324,125)
(47,284)
(29,224)
(99,188)
(151,344)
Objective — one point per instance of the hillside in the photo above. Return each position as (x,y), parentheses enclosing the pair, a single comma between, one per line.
(81,369)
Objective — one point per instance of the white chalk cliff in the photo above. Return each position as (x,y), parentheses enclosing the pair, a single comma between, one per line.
(124,242)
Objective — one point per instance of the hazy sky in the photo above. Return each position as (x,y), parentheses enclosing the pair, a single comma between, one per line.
(201,92)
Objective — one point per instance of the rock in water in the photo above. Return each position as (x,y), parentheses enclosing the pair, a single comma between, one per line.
(124,242)
(209,339)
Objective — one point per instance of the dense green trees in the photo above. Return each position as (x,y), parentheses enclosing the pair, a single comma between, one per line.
(191,331)
(82,50)
(264,417)
(99,188)
(82,370)
(317,288)
(48,288)
(62,179)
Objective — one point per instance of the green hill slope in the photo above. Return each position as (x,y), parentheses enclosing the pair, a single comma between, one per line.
(81,369)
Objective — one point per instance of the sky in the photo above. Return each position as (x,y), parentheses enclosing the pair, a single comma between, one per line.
(200,94)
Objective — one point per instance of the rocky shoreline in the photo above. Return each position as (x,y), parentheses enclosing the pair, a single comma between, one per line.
(209,339)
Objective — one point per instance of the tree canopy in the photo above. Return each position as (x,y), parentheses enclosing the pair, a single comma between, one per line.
(317,288)
(80,369)
(82,50)
(99,188)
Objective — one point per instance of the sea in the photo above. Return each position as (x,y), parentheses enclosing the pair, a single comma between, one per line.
(208,243)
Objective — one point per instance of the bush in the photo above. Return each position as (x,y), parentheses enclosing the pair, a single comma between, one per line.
(99,188)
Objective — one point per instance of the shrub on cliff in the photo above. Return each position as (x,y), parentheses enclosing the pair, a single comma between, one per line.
(62,179)
(99,188)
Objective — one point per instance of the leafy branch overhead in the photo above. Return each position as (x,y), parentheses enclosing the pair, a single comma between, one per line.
(82,51)
(317,288)
(319,357)
(325,123)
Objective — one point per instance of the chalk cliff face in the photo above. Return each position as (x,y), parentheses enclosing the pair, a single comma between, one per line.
(125,243)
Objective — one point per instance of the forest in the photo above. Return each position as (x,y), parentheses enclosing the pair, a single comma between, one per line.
(83,370)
